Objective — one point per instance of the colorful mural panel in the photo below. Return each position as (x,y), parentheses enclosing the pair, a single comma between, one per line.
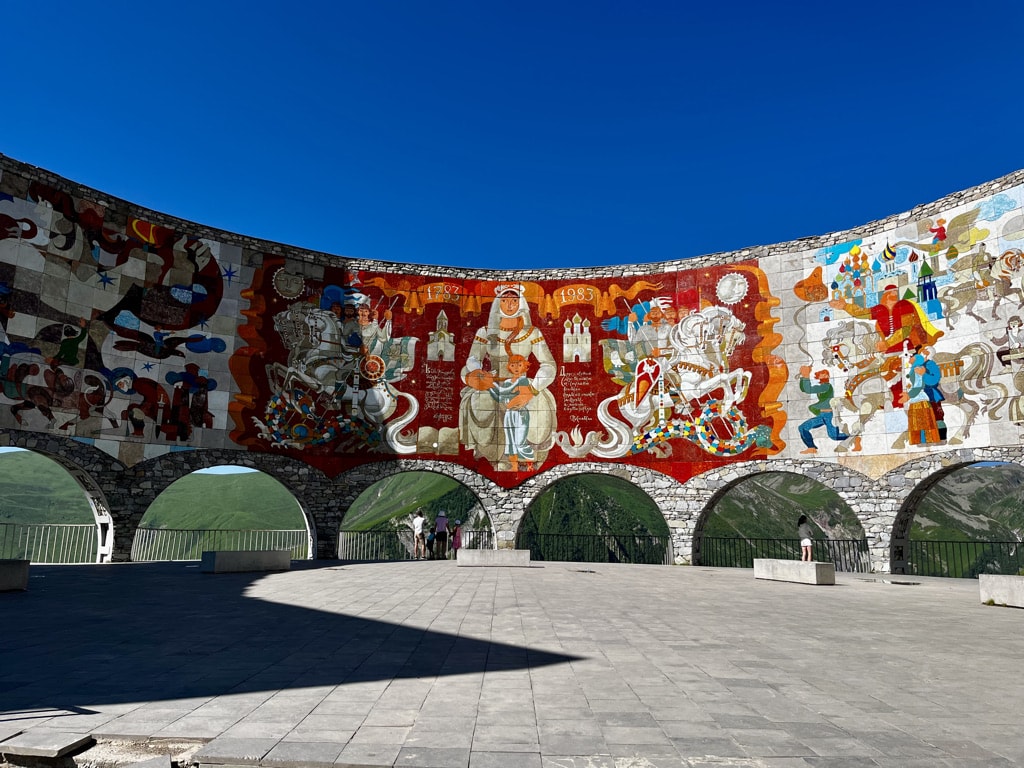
(503,376)
(143,337)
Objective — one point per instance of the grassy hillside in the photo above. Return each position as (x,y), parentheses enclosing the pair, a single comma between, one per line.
(977,503)
(767,506)
(245,501)
(563,522)
(35,489)
(393,501)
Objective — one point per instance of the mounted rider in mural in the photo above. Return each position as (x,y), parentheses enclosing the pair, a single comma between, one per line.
(340,374)
(676,380)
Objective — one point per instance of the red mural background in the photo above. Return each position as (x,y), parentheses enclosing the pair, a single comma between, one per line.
(354,367)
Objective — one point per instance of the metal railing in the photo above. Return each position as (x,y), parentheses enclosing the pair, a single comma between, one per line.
(597,548)
(153,544)
(964,559)
(49,543)
(397,543)
(850,555)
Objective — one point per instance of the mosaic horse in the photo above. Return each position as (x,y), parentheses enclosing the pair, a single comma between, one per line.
(689,391)
(328,388)
(998,282)
(851,347)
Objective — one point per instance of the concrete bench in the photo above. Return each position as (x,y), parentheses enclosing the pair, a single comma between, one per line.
(1002,590)
(13,575)
(494,557)
(795,570)
(241,560)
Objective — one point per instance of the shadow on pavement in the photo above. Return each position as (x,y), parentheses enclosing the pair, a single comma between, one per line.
(98,635)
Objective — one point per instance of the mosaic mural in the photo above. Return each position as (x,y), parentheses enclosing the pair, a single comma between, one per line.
(144,337)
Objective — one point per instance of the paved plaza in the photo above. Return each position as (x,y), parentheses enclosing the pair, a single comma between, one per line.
(560,665)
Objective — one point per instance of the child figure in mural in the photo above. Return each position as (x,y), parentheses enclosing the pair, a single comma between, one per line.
(821,410)
(516,421)
(482,417)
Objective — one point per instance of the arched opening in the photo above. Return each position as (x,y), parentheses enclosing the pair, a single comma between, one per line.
(595,518)
(756,517)
(961,522)
(49,512)
(379,523)
(223,507)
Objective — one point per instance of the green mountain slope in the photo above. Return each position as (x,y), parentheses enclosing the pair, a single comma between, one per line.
(983,503)
(244,501)
(393,501)
(767,506)
(588,518)
(35,489)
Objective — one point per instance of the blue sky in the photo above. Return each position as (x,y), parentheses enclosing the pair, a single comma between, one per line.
(518,135)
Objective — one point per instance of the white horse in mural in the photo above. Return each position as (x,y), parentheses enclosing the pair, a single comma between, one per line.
(852,348)
(997,282)
(676,386)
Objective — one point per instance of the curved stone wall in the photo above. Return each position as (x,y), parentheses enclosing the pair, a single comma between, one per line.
(858,352)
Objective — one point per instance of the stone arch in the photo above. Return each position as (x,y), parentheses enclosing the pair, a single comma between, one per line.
(644,481)
(310,488)
(96,473)
(703,491)
(779,527)
(358,480)
(911,481)
(655,484)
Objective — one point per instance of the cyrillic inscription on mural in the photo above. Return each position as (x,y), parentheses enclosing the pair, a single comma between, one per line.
(578,394)
(439,397)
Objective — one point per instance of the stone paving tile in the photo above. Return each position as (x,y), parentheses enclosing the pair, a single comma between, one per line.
(577,761)
(226,750)
(44,742)
(303,754)
(252,730)
(361,755)
(708,745)
(479,759)
(381,735)
(646,756)
(432,757)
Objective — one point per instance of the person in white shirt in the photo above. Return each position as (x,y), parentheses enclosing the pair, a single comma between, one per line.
(419,541)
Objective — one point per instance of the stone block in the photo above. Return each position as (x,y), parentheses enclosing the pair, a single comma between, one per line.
(795,570)
(494,557)
(237,561)
(13,575)
(1002,590)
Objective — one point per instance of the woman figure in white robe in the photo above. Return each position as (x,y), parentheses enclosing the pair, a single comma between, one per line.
(482,417)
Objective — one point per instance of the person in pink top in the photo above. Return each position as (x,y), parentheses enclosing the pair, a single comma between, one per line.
(456,539)
(441,535)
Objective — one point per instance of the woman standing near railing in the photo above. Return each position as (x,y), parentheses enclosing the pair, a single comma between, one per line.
(803,530)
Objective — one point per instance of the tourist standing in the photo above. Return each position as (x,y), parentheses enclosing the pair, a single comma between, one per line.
(441,536)
(456,539)
(430,543)
(419,540)
(803,530)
